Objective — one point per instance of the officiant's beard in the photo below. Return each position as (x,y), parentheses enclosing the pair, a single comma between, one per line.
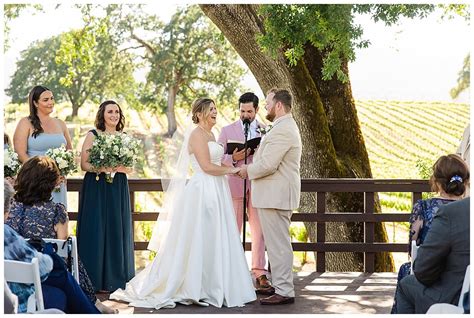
(271,115)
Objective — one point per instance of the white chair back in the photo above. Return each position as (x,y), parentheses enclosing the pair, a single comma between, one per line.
(63,252)
(465,285)
(26,273)
(414,252)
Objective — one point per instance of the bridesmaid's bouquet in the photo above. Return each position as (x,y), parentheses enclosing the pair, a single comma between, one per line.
(65,160)
(11,164)
(110,151)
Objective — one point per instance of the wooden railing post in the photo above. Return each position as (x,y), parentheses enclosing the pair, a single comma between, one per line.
(369,232)
(415,197)
(321,231)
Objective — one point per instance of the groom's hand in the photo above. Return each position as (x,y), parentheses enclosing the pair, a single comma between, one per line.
(243,171)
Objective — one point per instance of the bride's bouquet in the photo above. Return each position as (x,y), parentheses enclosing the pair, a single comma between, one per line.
(110,151)
(11,164)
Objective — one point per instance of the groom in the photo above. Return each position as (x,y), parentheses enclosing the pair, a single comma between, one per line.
(276,185)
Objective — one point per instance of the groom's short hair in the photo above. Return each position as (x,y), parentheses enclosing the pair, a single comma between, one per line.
(283,96)
(249,97)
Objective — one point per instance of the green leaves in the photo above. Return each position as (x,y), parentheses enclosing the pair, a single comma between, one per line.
(329,28)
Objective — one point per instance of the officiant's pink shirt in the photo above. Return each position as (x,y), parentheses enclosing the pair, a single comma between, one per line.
(234,131)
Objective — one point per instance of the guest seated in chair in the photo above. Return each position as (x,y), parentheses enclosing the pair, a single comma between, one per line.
(34,214)
(441,263)
(58,292)
(450,179)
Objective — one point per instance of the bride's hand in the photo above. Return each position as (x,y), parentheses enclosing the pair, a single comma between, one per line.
(234,171)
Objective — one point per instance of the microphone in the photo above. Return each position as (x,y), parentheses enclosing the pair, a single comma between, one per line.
(246,123)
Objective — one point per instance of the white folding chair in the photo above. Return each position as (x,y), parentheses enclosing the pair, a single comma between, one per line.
(63,252)
(26,273)
(443,308)
(414,252)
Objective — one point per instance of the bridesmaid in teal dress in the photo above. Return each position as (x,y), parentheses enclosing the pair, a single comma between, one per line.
(104,227)
(39,132)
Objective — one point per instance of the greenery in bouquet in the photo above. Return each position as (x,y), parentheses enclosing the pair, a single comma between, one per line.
(64,158)
(11,164)
(110,151)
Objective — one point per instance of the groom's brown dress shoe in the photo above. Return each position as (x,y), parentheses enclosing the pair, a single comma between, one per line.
(262,282)
(277,300)
(265,291)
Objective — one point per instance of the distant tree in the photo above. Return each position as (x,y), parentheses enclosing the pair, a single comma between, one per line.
(77,66)
(187,57)
(464,78)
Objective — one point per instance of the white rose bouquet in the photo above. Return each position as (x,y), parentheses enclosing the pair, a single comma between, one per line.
(128,150)
(111,151)
(65,159)
(11,164)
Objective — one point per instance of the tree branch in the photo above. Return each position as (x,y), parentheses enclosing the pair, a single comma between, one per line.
(130,48)
(143,42)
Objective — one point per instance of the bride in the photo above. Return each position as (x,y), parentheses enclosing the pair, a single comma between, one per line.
(200,259)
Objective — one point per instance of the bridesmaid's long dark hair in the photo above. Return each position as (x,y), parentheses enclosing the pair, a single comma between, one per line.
(34,96)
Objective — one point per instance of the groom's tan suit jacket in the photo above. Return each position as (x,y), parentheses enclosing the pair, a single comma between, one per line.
(275,172)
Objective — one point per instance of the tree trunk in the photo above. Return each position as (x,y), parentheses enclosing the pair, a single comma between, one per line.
(333,145)
(74,102)
(170,114)
(75,110)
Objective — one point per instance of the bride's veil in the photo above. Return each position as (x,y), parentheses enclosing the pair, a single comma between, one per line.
(174,175)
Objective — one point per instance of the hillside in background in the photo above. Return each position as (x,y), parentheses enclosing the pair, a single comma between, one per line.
(398,134)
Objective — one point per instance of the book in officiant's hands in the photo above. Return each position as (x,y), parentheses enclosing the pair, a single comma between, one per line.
(239,145)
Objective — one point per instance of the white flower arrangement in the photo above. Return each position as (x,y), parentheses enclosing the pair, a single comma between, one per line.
(110,151)
(11,164)
(64,158)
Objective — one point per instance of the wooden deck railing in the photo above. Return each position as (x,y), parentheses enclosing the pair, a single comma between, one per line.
(320,215)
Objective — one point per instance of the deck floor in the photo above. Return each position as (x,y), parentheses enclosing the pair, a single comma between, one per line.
(316,293)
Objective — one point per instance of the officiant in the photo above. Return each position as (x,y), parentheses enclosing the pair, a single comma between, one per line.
(248,106)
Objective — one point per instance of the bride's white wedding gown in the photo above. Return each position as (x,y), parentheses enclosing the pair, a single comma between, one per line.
(202,258)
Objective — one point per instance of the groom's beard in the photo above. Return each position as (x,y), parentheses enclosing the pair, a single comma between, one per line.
(271,115)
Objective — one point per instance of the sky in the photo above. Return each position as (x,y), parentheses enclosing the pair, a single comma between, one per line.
(416,60)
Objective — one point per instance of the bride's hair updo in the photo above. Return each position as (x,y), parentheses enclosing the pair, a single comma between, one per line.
(202,106)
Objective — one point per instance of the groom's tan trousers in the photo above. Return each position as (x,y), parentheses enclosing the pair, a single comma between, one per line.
(276,232)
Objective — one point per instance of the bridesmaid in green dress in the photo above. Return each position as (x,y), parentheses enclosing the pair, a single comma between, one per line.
(104,227)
